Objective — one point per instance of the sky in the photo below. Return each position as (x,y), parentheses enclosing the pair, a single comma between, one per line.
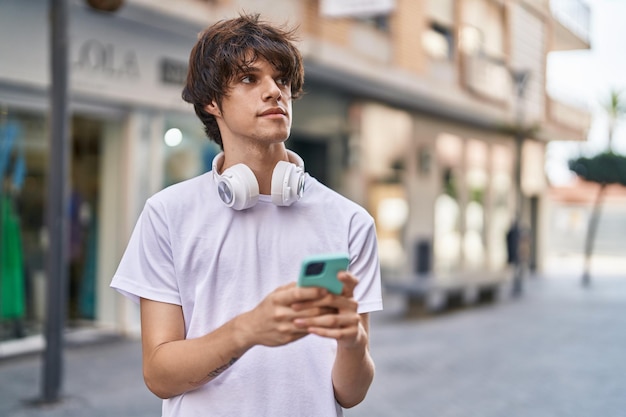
(585,78)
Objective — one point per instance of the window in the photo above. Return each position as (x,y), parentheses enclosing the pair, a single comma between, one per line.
(438,41)
(379,22)
(482,47)
(482,28)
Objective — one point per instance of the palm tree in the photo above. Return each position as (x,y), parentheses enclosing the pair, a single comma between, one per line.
(615,108)
(605,168)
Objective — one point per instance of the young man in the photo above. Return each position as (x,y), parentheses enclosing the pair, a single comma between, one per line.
(213,260)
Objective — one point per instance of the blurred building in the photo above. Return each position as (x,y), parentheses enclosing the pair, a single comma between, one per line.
(412,109)
(569,209)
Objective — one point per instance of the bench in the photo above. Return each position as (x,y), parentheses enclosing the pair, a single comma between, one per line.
(431,293)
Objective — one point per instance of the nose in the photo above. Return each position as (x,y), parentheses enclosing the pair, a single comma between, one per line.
(271,90)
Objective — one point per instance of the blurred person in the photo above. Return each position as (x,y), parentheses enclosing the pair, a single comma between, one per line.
(213,260)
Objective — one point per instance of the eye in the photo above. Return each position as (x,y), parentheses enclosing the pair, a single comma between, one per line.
(283,81)
(247,79)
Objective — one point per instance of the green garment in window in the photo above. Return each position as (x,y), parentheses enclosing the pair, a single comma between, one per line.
(12,268)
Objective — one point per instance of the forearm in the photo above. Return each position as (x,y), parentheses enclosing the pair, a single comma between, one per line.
(179,366)
(174,364)
(353,372)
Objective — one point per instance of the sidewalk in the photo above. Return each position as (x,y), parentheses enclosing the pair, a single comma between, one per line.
(102,378)
(558,351)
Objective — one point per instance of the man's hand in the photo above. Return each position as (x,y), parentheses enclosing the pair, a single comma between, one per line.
(273,321)
(338,319)
(353,370)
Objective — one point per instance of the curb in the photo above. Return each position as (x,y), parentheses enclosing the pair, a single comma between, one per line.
(72,338)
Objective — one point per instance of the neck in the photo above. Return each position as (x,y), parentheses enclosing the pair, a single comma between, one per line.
(261,160)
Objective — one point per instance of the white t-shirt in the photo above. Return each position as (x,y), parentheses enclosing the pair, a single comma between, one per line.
(189,249)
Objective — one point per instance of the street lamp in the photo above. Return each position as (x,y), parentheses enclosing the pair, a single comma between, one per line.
(57,193)
(58,167)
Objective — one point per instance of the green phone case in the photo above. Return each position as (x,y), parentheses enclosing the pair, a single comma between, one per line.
(321,271)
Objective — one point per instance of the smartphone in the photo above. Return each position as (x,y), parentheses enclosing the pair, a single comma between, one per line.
(321,271)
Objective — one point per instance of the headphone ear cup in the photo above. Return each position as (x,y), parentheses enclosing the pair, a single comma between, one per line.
(238,187)
(287,183)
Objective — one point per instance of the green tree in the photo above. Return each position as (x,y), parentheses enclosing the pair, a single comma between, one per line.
(604,169)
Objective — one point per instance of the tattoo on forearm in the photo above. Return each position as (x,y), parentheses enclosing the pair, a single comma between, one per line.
(218,371)
(214,373)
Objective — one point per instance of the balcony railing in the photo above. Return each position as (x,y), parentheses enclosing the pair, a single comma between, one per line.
(487,77)
(574,15)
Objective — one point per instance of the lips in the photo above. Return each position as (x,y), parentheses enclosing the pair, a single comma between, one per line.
(274,110)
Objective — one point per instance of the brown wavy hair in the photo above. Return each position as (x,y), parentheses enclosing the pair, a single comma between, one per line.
(226,48)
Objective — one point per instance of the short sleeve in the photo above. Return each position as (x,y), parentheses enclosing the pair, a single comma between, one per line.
(364,263)
(147,267)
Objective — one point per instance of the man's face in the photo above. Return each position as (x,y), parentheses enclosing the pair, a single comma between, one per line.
(256,108)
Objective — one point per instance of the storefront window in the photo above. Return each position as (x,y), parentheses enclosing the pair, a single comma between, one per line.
(390,209)
(500,218)
(476,182)
(22,169)
(385,137)
(24,166)
(448,237)
(447,245)
(87,137)
(188,152)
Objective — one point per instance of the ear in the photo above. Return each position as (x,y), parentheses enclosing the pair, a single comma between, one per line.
(213,108)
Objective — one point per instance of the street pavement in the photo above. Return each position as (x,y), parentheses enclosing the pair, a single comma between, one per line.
(559,350)
(102,378)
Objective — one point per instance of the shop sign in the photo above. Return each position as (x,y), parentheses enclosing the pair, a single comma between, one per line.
(173,71)
(96,56)
(361,8)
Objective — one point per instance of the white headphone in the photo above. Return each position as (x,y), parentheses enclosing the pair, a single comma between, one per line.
(238,188)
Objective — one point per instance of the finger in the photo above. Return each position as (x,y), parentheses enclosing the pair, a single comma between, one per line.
(329,321)
(314,312)
(325,300)
(338,334)
(291,294)
(284,336)
(337,302)
(349,283)
(348,337)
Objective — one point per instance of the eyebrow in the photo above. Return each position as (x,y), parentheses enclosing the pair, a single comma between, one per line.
(254,68)
(248,68)
(245,70)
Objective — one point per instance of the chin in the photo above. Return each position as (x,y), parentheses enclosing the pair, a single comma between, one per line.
(276,137)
